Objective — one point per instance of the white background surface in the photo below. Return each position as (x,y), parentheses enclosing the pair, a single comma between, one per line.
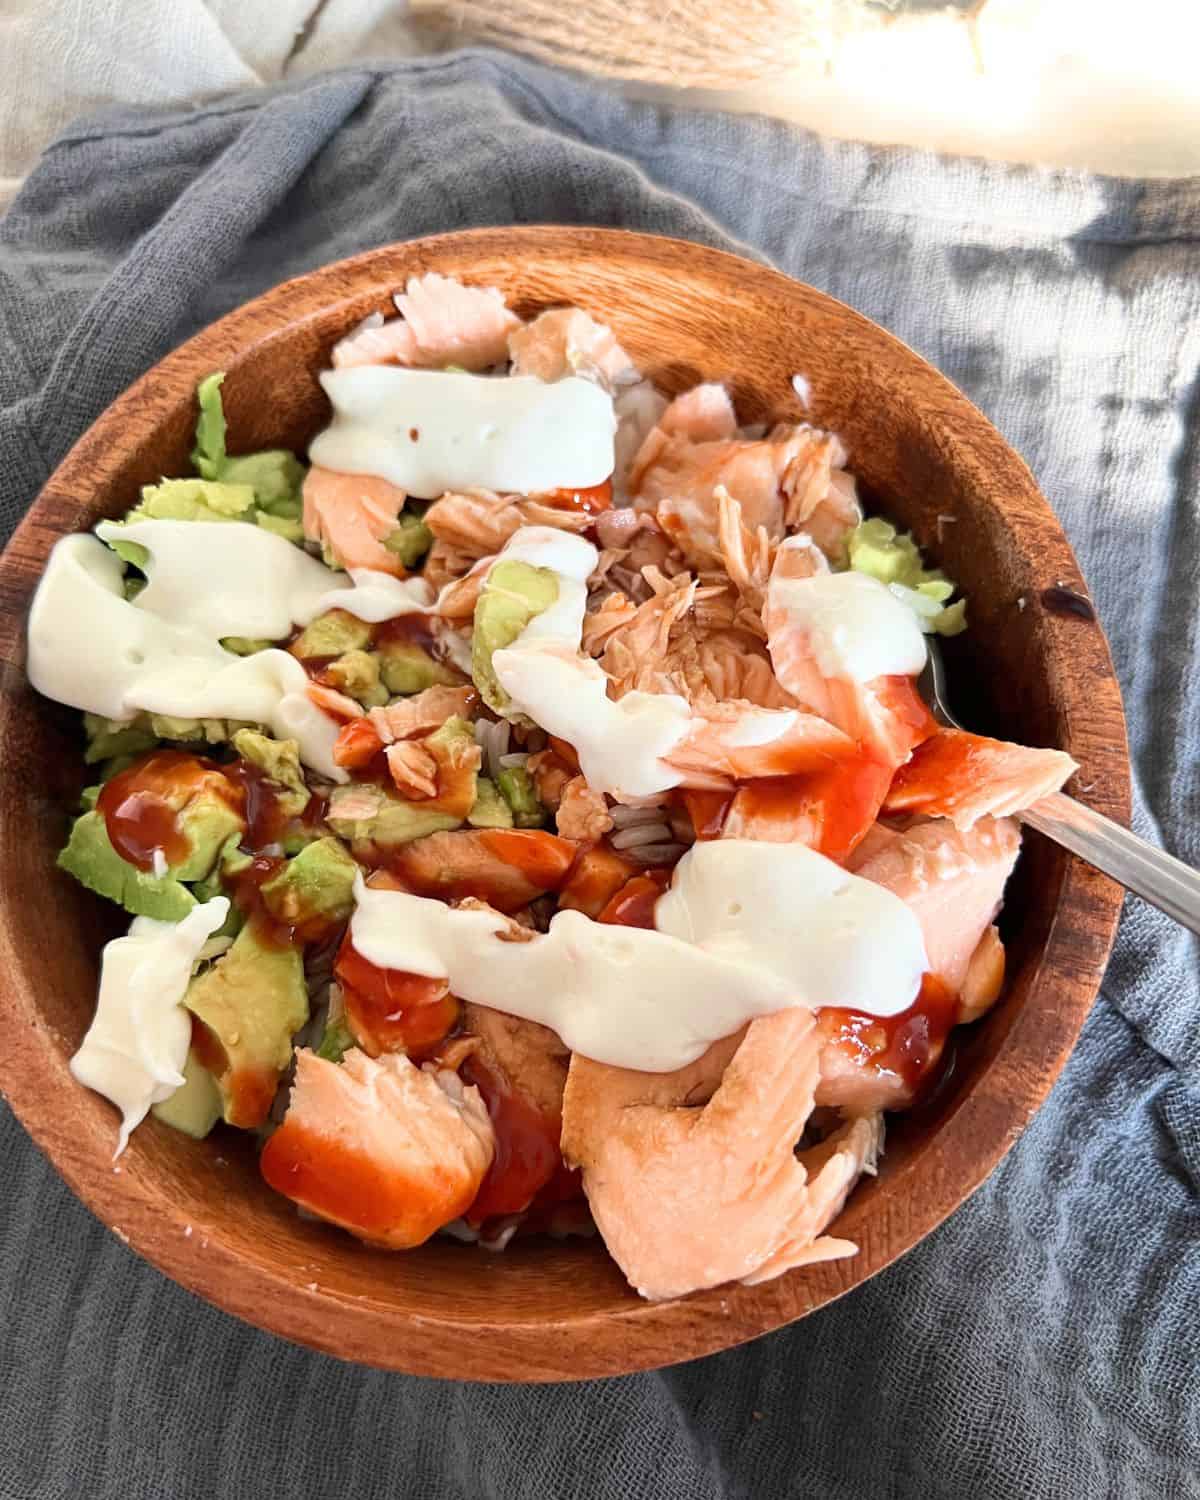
(1100,84)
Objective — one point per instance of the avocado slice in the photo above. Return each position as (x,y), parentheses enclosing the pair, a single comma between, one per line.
(195,1107)
(391,821)
(279,761)
(490,810)
(331,634)
(318,883)
(93,861)
(357,675)
(514,593)
(253,1000)
(407,668)
(515,785)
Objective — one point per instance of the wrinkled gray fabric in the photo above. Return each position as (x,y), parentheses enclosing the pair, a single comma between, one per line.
(1043,1342)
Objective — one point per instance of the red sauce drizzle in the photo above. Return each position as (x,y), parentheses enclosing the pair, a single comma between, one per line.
(707,811)
(591,501)
(527,1161)
(390,1010)
(265,819)
(908,1045)
(412,629)
(634,903)
(841,802)
(136,805)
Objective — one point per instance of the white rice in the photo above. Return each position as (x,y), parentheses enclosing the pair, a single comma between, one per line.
(492,739)
(640,835)
(625,816)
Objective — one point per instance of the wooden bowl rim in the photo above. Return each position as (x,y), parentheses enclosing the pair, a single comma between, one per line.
(952,1164)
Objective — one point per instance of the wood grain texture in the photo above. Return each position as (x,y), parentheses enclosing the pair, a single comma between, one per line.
(552,1311)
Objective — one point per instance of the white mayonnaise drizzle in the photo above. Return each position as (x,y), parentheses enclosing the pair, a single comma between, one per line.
(89,647)
(856,628)
(429,431)
(225,577)
(379,596)
(95,650)
(136,1046)
(746,929)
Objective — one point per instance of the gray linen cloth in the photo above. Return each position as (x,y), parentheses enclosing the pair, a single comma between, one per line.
(1045,1341)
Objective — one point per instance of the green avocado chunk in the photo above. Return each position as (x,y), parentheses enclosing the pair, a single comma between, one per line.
(253,1000)
(279,761)
(514,593)
(331,634)
(379,818)
(357,675)
(407,668)
(490,810)
(876,548)
(516,787)
(317,883)
(195,1107)
(275,476)
(411,539)
(93,861)
(111,737)
(193,500)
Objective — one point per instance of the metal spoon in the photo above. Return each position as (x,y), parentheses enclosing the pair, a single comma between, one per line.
(1159,878)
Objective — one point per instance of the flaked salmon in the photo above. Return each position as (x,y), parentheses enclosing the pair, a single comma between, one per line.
(693,1177)
(441,323)
(569,341)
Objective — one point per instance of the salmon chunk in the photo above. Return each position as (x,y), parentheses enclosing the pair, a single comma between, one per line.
(385,1149)
(442,323)
(569,341)
(351,515)
(506,867)
(966,777)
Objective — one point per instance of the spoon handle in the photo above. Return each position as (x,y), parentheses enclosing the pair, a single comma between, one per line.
(1159,878)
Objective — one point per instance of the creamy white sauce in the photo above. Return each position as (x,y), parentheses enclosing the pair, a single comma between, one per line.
(92,649)
(226,578)
(746,929)
(378,596)
(835,938)
(429,431)
(136,1046)
(855,627)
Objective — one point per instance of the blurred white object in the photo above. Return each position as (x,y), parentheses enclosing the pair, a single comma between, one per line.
(1098,84)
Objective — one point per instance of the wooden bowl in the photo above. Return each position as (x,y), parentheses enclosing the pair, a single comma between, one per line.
(561,1310)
